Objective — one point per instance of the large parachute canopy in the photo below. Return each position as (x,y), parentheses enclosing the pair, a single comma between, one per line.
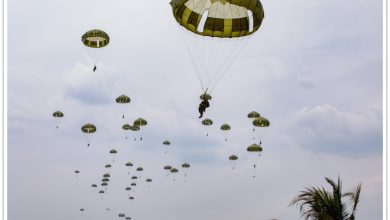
(122,99)
(207,122)
(214,32)
(88,128)
(253,114)
(140,122)
(58,114)
(254,148)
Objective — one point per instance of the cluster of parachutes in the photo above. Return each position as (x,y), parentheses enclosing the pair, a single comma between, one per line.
(214,32)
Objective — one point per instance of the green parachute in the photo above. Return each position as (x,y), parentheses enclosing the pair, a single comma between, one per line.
(88,129)
(58,115)
(225,127)
(214,32)
(207,122)
(94,40)
(255,151)
(233,158)
(122,99)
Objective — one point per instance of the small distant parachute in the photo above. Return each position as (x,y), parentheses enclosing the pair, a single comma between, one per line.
(121,215)
(101,191)
(253,114)
(121,100)
(207,122)
(131,198)
(233,158)
(107,175)
(82,210)
(166,143)
(88,129)
(126,128)
(58,115)
(225,127)
(128,218)
(107,166)
(133,184)
(105,180)
(140,122)
(167,168)
(140,169)
(113,152)
(76,171)
(174,171)
(128,188)
(185,167)
(104,184)
(129,164)
(148,181)
(93,40)
(94,185)
(134,177)
(255,150)
(135,128)
(261,123)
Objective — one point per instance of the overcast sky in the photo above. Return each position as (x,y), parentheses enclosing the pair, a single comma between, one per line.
(314,69)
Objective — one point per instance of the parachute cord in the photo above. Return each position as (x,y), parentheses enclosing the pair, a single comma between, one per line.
(242,44)
(190,50)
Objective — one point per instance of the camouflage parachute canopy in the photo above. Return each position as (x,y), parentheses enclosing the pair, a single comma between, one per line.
(225,18)
(205,95)
(185,165)
(166,142)
(113,151)
(207,122)
(225,127)
(95,38)
(108,166)
(88,128)
(94,185)
(135,128)
(128,188)
(106,175)
(128,218)
(254,148)
(134,177)
(122,99)
(148,180)
(233,157)
(261,122)
(140,169)
(129,164)
(76,171)
(105,180)
(140,122)
(104,184)
(174,170)
(167,167)
(253,114)
(133,184)
(81,210)
(126,127)
(58,114)
(131,197)
(101,191)
(121,215)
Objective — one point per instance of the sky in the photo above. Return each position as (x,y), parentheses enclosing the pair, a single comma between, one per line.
(314,69)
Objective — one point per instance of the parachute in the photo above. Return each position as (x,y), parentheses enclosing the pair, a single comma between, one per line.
(140,122)
(88,129)
(207,122)
(121,215)
(113,152)
(107,166)
(253,115)
(58,115)
(121,100)
(106,175)
(174,171)
(166,143)
(255,150)
(214,32)
(261,122)
(134,177)
(126,128)
(135,128)
(185,167)
(233,158)
(205,96)
(94,40)
(129,164)
(148,181)
(225,127)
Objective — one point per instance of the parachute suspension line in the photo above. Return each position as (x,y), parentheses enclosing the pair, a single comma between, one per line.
(191,51)
(233,56)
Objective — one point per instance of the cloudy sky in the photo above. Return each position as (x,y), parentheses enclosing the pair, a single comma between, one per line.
(314,69)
